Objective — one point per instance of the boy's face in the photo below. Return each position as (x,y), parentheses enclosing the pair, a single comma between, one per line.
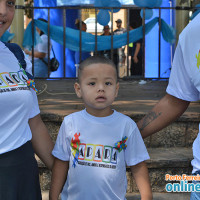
(7,11)
(98,88)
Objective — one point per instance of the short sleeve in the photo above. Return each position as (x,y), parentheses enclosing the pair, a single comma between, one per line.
(28,64)
(62,147)
(180,84)
(136,151)
(35,107)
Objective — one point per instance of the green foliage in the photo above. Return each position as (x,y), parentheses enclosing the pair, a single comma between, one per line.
(28,8)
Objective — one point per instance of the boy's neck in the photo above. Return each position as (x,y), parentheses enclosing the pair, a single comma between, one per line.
(100,113)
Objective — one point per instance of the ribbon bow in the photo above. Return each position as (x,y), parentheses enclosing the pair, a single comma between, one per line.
(31,84)
(121,144)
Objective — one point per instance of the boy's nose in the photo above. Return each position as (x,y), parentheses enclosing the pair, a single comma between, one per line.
(100,88)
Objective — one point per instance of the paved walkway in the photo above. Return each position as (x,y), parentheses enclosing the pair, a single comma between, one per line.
(156,196)
(58,97)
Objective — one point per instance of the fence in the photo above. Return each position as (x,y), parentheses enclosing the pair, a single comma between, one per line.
(127,64)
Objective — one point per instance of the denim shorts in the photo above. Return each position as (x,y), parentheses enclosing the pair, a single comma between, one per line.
(40,68)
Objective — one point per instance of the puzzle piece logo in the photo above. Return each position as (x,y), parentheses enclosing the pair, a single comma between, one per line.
(75,143)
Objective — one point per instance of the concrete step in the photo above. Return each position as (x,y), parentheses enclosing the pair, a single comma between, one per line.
(58,99)
(173,161)
(181,133)
(136,196)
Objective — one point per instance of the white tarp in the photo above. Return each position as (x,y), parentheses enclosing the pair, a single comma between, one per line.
(86,2)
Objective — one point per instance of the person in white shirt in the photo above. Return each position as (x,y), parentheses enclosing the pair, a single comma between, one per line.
(21,129)
(40,54)
(94,145)
(121,51)
(183,87)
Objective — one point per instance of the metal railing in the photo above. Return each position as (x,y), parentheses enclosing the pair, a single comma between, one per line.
(128,10)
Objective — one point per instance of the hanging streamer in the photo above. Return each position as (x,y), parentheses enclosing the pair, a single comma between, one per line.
(196,12)
(7,36)
(88,40)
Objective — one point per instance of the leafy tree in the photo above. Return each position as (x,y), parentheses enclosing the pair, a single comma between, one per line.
(28,8)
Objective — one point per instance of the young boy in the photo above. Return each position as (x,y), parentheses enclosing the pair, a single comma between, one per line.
(94,145)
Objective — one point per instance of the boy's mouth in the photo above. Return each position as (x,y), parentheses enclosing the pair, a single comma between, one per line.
(101,98)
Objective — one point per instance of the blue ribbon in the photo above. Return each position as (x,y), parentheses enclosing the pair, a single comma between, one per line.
(7,36)
(88,40)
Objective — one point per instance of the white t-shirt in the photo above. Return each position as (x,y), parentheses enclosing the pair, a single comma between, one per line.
(184,82)
(18,103)
(100,172)
(119,31)
(42,46)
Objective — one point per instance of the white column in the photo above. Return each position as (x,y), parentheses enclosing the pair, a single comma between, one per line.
(17,26)
(182,16)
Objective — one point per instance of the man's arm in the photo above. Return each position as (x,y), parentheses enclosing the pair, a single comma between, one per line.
(137,49)
(41,140)
(141,176)
(167,110)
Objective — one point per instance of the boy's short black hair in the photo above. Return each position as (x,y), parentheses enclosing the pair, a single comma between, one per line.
(94,60)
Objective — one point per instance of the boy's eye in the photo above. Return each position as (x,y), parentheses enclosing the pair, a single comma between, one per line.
(91,83)
(108,83)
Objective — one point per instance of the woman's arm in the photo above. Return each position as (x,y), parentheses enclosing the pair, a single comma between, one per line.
(168,109)
(141,176)
(41,140)
(37,54)
(58,178)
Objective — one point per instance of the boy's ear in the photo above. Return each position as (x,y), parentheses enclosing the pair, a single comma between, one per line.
(117,89)
(77,89)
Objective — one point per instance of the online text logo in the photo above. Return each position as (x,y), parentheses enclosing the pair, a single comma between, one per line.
(182,184)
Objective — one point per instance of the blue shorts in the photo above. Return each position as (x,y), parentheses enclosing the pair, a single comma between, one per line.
(40,68)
